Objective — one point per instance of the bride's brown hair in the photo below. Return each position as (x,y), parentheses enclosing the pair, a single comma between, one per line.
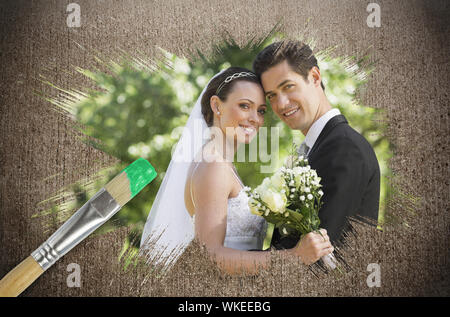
(225,89)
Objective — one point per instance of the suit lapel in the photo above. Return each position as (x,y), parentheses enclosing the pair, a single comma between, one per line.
(333,122)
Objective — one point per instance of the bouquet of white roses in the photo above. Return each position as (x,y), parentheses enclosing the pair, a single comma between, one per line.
(290,199)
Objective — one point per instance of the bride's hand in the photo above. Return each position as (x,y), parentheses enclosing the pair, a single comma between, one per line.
(312,247)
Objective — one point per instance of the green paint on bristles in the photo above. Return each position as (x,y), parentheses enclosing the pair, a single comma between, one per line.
(140,173)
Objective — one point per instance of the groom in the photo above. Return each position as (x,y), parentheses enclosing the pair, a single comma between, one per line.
(341,156)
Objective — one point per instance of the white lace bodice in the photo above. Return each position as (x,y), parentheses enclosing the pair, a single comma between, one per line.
(245,231)
(242,225)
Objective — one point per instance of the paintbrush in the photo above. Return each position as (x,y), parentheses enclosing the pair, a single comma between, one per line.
(94,213)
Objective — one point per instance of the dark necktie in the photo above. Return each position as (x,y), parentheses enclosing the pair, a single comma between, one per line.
(303,149)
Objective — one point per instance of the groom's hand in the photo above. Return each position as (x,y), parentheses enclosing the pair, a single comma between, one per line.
(313,246)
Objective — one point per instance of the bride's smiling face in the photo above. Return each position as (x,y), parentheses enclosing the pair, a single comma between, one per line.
(242,113)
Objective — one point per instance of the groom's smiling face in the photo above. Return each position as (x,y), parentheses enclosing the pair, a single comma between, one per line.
(294,99)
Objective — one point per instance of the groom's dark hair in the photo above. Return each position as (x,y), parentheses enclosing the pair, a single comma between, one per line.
(298,55)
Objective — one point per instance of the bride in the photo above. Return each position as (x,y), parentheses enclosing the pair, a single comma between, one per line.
(202,195)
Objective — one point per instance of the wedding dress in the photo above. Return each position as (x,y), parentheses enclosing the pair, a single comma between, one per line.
(245,231)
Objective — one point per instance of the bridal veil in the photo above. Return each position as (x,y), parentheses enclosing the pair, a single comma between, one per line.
(169,228)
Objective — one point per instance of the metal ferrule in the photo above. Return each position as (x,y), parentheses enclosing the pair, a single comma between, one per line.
(95,212)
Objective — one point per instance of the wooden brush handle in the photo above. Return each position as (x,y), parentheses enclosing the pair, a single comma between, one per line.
(17,280)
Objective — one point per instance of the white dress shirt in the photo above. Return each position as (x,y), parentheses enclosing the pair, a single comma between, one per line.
(317,127)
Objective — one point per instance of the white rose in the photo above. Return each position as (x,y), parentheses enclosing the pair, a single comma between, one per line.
(275,201)
(263,186)
(266,182)
(277,181)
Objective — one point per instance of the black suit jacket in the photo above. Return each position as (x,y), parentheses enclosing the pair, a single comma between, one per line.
(350,176)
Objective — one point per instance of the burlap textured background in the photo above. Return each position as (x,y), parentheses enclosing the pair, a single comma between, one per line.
(39,151)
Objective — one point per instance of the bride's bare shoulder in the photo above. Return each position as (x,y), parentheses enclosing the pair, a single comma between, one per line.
(211,170)
(212,174)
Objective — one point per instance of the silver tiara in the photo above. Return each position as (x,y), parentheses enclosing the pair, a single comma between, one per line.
(233,77)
